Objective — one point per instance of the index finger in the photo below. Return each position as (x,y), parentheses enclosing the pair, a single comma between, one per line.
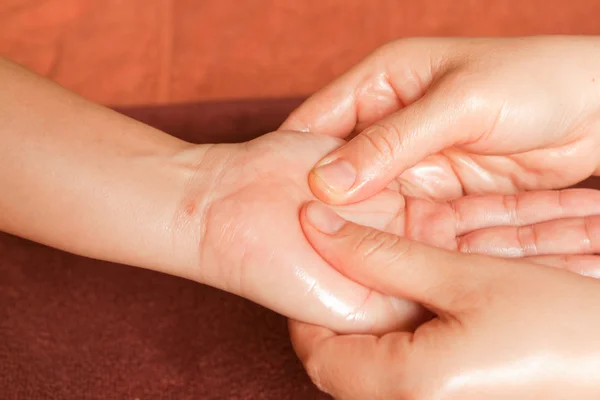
(391,78)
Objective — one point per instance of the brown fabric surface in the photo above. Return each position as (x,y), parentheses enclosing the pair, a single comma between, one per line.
(74,328)
(164,51)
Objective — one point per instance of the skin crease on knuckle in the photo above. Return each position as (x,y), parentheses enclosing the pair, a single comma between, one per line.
(384,140)
(404,85)
(373,243)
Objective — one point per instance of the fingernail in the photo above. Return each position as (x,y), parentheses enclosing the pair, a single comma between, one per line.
(324,218)
(338,175)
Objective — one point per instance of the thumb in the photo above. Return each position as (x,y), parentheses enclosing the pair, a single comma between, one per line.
(439,279)
(369,162)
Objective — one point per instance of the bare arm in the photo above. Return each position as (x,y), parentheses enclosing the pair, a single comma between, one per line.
(85,179)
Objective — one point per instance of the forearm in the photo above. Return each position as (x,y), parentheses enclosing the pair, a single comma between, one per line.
(88,180)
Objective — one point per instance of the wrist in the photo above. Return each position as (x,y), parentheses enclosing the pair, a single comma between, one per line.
(197,171)
(176,210)
(143,230)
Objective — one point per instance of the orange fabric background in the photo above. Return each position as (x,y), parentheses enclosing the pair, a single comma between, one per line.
(163,51)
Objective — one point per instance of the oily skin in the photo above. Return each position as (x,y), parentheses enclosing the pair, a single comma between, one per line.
(444,118)
(448,117)
(252,243)
(527,334)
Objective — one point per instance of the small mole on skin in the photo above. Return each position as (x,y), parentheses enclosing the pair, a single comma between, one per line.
(190,207)
(593,79)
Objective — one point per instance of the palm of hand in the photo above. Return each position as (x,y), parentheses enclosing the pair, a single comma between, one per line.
(253,244)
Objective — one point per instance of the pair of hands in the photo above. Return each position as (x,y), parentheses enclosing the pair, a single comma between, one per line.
(250,194)
(439,121)
(446,118)
(443,119)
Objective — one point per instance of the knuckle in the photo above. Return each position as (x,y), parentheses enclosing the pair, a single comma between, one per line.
(296,121)
(589,237)
(461,87)
(404,45)
(365,243)
(511,207)
(527,240)
(385,141)
(375,243)
(396,246)
(387,48)
(464,244)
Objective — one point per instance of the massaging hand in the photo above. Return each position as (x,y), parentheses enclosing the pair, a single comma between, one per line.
(503,329)
(246,199)
(473,115)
